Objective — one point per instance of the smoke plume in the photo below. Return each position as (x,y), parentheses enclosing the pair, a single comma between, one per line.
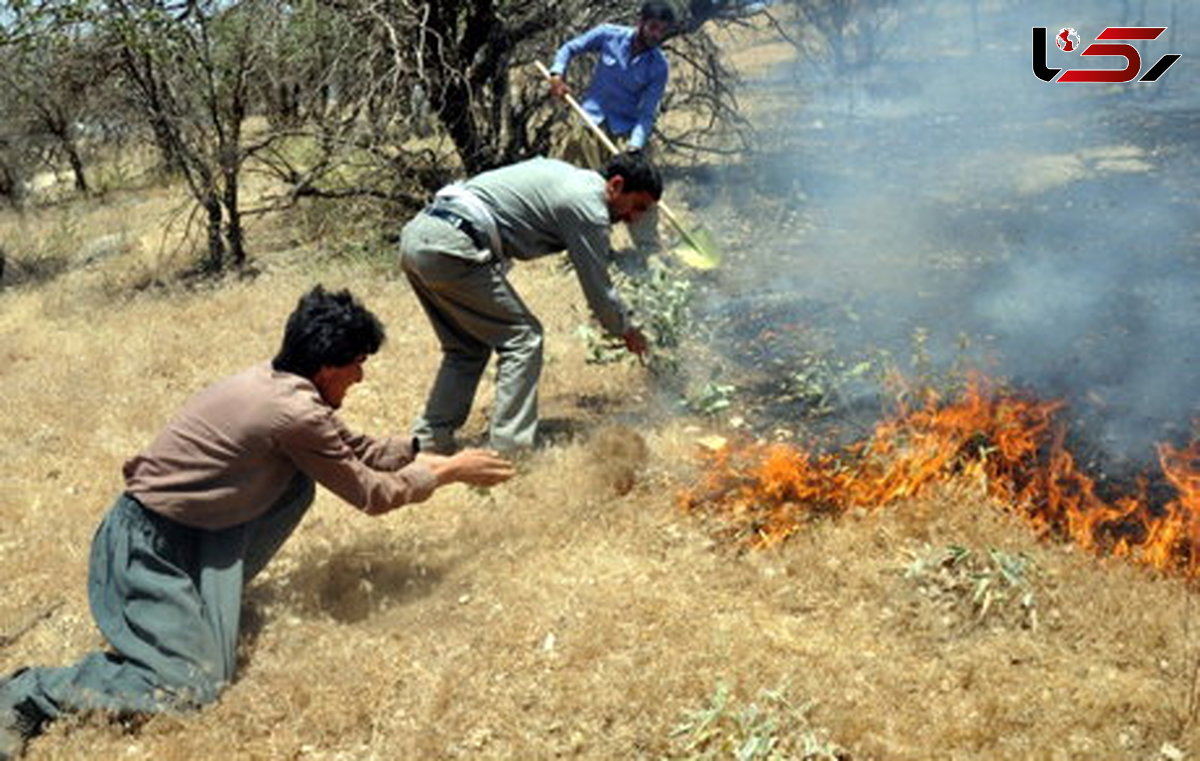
(1050,228)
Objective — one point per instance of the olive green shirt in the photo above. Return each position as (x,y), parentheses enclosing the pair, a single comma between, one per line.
(543,206)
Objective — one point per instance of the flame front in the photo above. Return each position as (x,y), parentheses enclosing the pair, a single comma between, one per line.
(764,493)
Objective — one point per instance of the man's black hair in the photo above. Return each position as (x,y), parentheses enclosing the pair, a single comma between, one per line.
(640,175)
(327,329)
(657,10)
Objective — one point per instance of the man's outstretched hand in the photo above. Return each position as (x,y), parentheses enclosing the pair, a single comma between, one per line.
(477,467)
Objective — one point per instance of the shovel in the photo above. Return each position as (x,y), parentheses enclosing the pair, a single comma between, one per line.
(699,249)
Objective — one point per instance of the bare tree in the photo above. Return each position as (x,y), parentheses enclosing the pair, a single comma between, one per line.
(380,99)
(187,66)
(461,54)
(50,79)
(464,67)
(846,35)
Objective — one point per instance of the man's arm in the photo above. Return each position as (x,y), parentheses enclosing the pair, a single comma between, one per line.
(478,467)
(315,444)
(590,41)
(378,452)
(648,107)
(587,245)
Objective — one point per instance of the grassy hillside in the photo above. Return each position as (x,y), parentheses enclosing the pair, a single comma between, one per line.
(575,611)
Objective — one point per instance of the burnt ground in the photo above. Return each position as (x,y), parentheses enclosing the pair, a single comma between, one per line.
(955,211)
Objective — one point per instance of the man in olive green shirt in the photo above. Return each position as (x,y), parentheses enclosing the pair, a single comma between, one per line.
(456,255)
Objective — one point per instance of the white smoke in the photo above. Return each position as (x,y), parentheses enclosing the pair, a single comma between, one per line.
(950,189)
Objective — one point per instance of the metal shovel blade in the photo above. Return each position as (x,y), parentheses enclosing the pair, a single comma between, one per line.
(698,250)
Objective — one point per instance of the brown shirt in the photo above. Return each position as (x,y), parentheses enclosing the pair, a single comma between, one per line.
(235,446)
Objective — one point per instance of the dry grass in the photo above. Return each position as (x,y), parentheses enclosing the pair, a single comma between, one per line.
(571,612)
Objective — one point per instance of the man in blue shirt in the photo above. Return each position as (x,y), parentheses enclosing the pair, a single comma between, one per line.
(630,74)
(627,84)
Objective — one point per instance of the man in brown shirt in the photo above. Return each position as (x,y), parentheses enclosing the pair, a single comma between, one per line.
(208,504)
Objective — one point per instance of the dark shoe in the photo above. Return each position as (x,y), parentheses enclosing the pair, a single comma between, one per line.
(439,443)
(12,734)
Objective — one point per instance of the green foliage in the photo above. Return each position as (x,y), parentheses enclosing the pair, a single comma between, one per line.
(712,398)
(602,349)
(995,586)
(923,376)
(818,379)
(770,728)
(659,300)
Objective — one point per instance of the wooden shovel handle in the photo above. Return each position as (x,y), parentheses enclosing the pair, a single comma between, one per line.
(612,147)
(574,104)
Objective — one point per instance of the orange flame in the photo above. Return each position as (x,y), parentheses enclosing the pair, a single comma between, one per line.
(764,493)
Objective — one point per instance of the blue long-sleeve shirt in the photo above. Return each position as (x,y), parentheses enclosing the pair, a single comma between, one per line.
(625,89)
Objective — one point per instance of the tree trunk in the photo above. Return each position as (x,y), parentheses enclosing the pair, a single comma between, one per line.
(452,103)
(451,92)
(140,69)
(233,217)
(59,124)
(76,161)
(216,241)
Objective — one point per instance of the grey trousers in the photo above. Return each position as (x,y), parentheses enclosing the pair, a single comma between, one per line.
(167,598)
(474,311)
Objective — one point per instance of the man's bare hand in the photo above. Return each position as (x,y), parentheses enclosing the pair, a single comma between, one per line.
(478,467)
(559,87)
(635,342)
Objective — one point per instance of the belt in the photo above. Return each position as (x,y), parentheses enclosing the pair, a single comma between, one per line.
(461,223)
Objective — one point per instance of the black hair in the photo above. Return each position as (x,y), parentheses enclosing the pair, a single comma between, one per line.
(640,175)
(327,329)
(657,10)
